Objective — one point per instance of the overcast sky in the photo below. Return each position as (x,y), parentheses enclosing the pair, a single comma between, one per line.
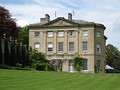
(100,11)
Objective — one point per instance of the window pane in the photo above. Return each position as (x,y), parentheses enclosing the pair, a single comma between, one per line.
(71,33)
(37,46)
(50,34)
(60,46)
(98,34)
(50,46)
(98,65)
(84,64)
(60,33)
(71,46)
(98,48)
(85,33)
(37,33)
(85,46)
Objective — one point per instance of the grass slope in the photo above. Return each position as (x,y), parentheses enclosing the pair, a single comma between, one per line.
(37,80)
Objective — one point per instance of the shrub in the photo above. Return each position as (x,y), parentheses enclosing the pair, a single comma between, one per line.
(40,66)
(19,65)
(95,68)
(55,67)
(78,63)
(60,67)
(4,66)
(46,67)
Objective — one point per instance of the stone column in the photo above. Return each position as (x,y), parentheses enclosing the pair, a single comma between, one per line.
(66,43)
(65,67)
(76,42)
(55,42)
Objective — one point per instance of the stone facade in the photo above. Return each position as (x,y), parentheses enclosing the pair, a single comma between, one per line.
(63,39)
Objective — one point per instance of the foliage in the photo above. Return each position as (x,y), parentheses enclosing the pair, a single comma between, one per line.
(38,61)
(95,68)
(7,24)
(78,63)
(40,66)
(0,52)
(36,57)
(4,66)
(60,67)
(24,35)
(55,67)
(18,65)
(113,57)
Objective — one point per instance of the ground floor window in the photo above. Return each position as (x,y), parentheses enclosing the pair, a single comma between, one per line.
(98,65)
(85,65)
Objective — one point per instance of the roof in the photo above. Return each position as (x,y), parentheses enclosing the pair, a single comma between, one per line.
(73,22)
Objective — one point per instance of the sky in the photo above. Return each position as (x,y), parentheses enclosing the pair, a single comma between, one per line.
(99,11)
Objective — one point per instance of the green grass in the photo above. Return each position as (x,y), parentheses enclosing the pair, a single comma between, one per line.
(38,80)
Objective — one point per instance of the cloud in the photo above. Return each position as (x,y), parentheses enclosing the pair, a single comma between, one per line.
(107,13)
(22,23)
(17,2)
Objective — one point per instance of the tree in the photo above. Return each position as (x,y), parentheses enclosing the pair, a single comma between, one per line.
(24,35)
(78,63)
(7,24)
(37,57)
(0,52)
(113,57)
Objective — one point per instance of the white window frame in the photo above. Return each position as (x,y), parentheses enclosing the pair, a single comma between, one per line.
(60,33)
(50,34)
(71,48)
(50,47)
(84,33)
(85,46)
(98,48)
(98,34)
(37,34)
(37,46)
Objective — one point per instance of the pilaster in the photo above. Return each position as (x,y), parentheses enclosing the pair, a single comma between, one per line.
(76,42)
(55,43)
(66,42)
(44,42)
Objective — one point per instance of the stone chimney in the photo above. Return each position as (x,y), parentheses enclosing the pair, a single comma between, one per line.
(46,19)
(70,16)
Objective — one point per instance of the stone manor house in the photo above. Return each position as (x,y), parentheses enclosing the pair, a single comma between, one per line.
(63,39)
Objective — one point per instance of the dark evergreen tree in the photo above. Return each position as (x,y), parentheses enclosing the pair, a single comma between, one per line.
(13,55)
(6,54)
(0,52)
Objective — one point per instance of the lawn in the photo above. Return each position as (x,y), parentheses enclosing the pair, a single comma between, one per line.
(38,80)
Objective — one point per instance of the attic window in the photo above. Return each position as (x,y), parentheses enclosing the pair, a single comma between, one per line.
(37,34)
(85,33)
(71,33)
